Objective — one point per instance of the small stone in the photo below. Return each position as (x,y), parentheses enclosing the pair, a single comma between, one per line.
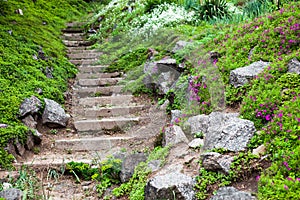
(12,194)
(173,135)
(294,66)
(20,148)
(19,11)
(3,125)
(216,162)
(154,165)
(231,193)
(37,136)
(180,45)
(39,90)
(54,115)
(6,186)
(196,143)
(128,165)
(260,150)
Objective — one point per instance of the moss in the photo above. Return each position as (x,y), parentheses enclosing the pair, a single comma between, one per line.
(22,71)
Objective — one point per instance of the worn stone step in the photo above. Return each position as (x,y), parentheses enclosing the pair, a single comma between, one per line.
(94,113)
(91,68)
(120,100)
(77,50)
(90,144)
(97,91)
(98,82)
(80,48)
(84,61)
(90,126)
(74,36)
(84,55)
(98,75)
(71,43)
(75,24)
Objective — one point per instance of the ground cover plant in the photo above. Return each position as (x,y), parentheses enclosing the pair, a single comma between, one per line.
(255,30)
(31,48)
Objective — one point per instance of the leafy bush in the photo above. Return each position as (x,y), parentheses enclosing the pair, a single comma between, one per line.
(212,9)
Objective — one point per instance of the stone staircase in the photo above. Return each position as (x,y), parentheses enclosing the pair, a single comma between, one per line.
(104,117)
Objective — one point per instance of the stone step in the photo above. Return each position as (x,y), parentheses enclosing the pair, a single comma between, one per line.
(77,50)
(75,24)
(98,75)
(97,91)
(111,124)
(98,82)
(84,55)
(73,36)
(90,144)
(84,61)
(77,43)
(94,113)
(91,68)
(120,100)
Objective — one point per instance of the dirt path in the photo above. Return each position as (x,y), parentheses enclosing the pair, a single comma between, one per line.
(104,120)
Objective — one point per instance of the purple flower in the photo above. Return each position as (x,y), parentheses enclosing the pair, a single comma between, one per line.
(289,179)
(298,179)
(280,115)
(257,178)
(286,187)
(177,120)
(268,117)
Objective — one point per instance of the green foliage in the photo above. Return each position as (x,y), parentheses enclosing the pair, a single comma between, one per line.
(212,9)
(207,179)
(256,8)
(22,70)
(136,185)
(28,182)
(106,173)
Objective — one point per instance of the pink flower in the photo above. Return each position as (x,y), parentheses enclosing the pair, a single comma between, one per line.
(286,187)
(268,117)
(257,178)
(177,120)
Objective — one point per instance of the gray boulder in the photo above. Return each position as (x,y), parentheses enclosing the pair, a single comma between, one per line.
(216,162)
(29,122)
(196,143)
(12,194)
(128,165)
(231,193)
(199,123)
(173,135)
(243,75)
(294,66)
(170,186)
(30,105)
(175,114)
(161,75)
(154,165)
(54,115)
(229,132)
(180,45)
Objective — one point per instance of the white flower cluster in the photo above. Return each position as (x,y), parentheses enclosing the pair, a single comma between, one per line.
(165,15)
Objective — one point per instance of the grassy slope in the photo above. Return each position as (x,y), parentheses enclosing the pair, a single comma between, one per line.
(20,73)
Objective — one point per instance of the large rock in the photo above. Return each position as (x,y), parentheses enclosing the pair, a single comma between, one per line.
(161,75)
(229,132)
(30,105)
(294,66)
(29,122)
(128,165)
(180,45)
(54,115)
(12,194)
(222,130)
(170,186)
(216,162)
(243,75)
(173,135)
(231,193)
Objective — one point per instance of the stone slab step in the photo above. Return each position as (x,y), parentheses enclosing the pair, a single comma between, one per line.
(77,50)
(98,75)
(94,113)
(73,36)
(90,144)
(75,24)
(85,55)
(108,100)
(91,68)
(98,82)
(116,123)
(71,43)
(81,48)
(84,61)
(98,91)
